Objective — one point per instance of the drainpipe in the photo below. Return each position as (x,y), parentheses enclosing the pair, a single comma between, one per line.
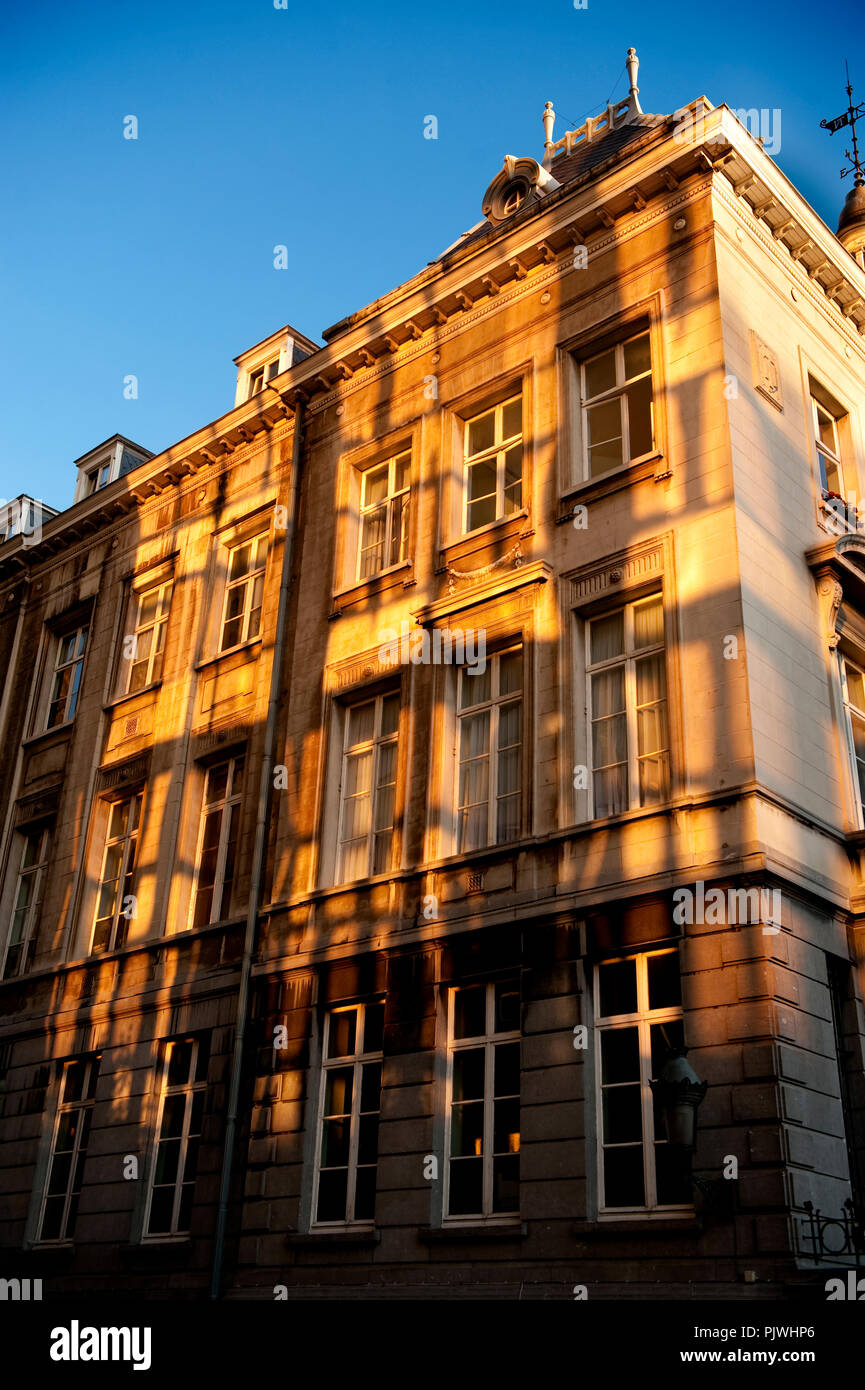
(258,866)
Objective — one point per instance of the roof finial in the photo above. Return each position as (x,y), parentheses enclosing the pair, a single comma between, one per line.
(548,118)
(632,63)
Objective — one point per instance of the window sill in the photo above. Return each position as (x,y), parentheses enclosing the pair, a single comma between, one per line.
(318,1239)
(480,1231)
(176,1249)
(229,651)
(648,1225)
(131,695)
(591,489)
(45,734)
(497,532)
(374,584)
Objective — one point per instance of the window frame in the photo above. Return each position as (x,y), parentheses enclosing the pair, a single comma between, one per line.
(628,658)
(851,711)
(619,391)
(643,1019)
(823,451)
(357,1060)
(259,540)
(81,634)
(233,803)
(499,450)
(375,745)
(494,704)
(195,1083)
(387,505)
(33,908)
(92,1064)
(159,625)
(490,1040)
(128,870)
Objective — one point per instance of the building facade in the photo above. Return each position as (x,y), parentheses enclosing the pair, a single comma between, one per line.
(403,769)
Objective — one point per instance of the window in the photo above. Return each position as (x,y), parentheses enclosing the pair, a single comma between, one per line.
(828,446)
(638,1017)
(853,685)
(384,499)
(628,708)
(69,1149)
(241,615)
(490,718)
(483,1129)
(494,464)
(514,197)
(26,903)
(66,681)
(143,648)
(178,1130)
(98,478)
(217,848)
(617,404)
(368,787)
(115,903)
(259,378)
(349,1114)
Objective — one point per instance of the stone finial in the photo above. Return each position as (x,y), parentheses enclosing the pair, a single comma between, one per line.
(548,119)
(632,63)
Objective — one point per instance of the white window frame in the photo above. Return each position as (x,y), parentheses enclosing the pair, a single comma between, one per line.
(189,1088)
(158,626)
(79,1145)
(35,875)
(628,658)
(497,450)
(257,569)
(266,371)
(823,450)
(349,751)
(494,704)
(489,1040)
(619,392)
(81,635)
(852,710)
(128,840)
(387,504)
(357,1060)
(99,477)
(643,1019)
(227,805)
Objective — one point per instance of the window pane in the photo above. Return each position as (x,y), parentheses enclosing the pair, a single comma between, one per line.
(332,1190)
(467,1129)
(338,1091)
(482,433)
(637,356)
(364,1197)
(600,373)
(342,1034)
(620,1055)
(474,736)
(512,418)
(623,1122)
(239,561)
(482,480)
(373,1027)
(389,714)
(470,1012)
(640,417)
(506,1184)
(475,687)
(507,1006)
(370,1088)
(664,1039)
(610,791)
(401,472)
(506,1126)
(648,623)
(623,1177)
(855,686)
(481,513)
(608,637)
(511,672)
(608,697)
(335,1137)
(468,1082)
(466,1186)
(361,723)
(506,1070)
(513,496)
(617,982)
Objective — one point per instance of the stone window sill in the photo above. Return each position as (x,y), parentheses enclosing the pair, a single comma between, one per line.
(315,1240)
(481,1231)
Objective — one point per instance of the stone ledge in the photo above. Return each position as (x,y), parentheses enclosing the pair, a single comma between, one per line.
(435,1235)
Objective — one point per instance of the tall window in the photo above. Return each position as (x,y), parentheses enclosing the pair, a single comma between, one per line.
(116,904)
(628,708)
(66,680)
(853,683)
(490,717)
(27,902)
(825,425)
(178,1129)
(349,1114)
(494,464)
(617,404)
(384,500)
(241,617)
(143,647)
(638,1018)
(69,1149)
(483,1129)
(368,787)
(217,847)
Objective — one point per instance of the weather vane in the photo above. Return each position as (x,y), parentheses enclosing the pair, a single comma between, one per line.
(849,117)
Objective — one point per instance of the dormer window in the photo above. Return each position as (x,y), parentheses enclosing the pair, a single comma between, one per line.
(513,198)
(98,478)
(261,376)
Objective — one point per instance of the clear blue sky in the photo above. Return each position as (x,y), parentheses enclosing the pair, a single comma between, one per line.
(304,126)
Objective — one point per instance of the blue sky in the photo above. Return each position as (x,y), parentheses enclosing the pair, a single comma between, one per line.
(304,127)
